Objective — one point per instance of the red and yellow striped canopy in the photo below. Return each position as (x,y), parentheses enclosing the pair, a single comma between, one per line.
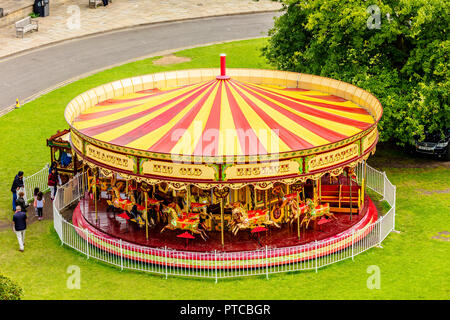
(223,118)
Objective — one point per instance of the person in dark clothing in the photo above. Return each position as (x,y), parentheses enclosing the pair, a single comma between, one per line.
(17,184)
(53,166)
(105,2)
(53,182)
(20,201)
(19,226)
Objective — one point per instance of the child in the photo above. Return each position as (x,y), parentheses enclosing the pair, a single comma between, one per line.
(21,201)
(40,204)
(35,193)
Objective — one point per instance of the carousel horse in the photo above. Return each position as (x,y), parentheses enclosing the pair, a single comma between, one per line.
(177,221)
(315,212)
(243,219)
(119,203)
(295,209)
(136,216)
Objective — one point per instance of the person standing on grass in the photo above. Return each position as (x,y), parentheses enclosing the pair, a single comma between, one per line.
(17,184)
(52,183)
(40,201)
(19,226)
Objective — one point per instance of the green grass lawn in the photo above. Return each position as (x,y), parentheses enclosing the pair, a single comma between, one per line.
(412,264)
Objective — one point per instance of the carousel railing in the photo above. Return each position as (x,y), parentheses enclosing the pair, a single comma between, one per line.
(217,265)
(39,179)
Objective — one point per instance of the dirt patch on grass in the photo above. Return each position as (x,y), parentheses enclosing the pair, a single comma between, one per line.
(428,192)
(170,59)
(47,213)
(443,235)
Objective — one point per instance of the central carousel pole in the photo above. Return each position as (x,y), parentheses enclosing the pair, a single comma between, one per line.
(146,215)
(188,200)
(221,194)
(296,188)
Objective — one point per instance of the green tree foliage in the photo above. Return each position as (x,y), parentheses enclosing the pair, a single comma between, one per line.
(9,290)
(395,49)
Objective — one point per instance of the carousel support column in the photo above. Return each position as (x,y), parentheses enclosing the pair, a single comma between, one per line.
(188,194)
(221,222)
(363,183)
(288,191)
(315,192)
(222,194)
(350,179)
(247,197)
(298,217)
(265,198)
(146,215)
(156,207)
(319,187)
(95,194)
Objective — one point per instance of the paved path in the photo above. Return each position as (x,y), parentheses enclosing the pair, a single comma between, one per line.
(27,74)
(73,18)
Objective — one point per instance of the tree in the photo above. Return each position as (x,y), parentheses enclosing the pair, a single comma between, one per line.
(9,290)
(397,50)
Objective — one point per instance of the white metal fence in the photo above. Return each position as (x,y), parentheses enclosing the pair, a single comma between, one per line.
(39,180)
(216,265)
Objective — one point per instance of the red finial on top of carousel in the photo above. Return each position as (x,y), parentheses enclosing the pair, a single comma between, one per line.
(222,76)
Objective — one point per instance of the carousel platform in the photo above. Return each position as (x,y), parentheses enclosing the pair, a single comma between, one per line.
(110,230)
(110,224)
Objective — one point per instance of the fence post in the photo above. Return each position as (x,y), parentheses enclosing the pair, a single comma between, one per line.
(353,243)
(384,185)
(215,262)
(316,254)
(87,242)
(165,256)
(121,254)
(380,225)
(393,206)
(267,266)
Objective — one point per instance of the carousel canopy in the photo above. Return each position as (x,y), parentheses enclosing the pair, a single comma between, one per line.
(223,118)
(248,126)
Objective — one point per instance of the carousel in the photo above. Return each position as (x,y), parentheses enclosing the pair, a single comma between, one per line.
(223,159)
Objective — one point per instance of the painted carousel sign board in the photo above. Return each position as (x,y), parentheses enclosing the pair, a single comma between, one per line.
(109,158)
(332,158)
(263,170)
(368,140)
(180,170)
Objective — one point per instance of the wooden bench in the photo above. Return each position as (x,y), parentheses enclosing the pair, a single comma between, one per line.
(96,3)
(25,25)
(339,198)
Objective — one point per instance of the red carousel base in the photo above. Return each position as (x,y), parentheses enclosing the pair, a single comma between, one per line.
(115,234)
